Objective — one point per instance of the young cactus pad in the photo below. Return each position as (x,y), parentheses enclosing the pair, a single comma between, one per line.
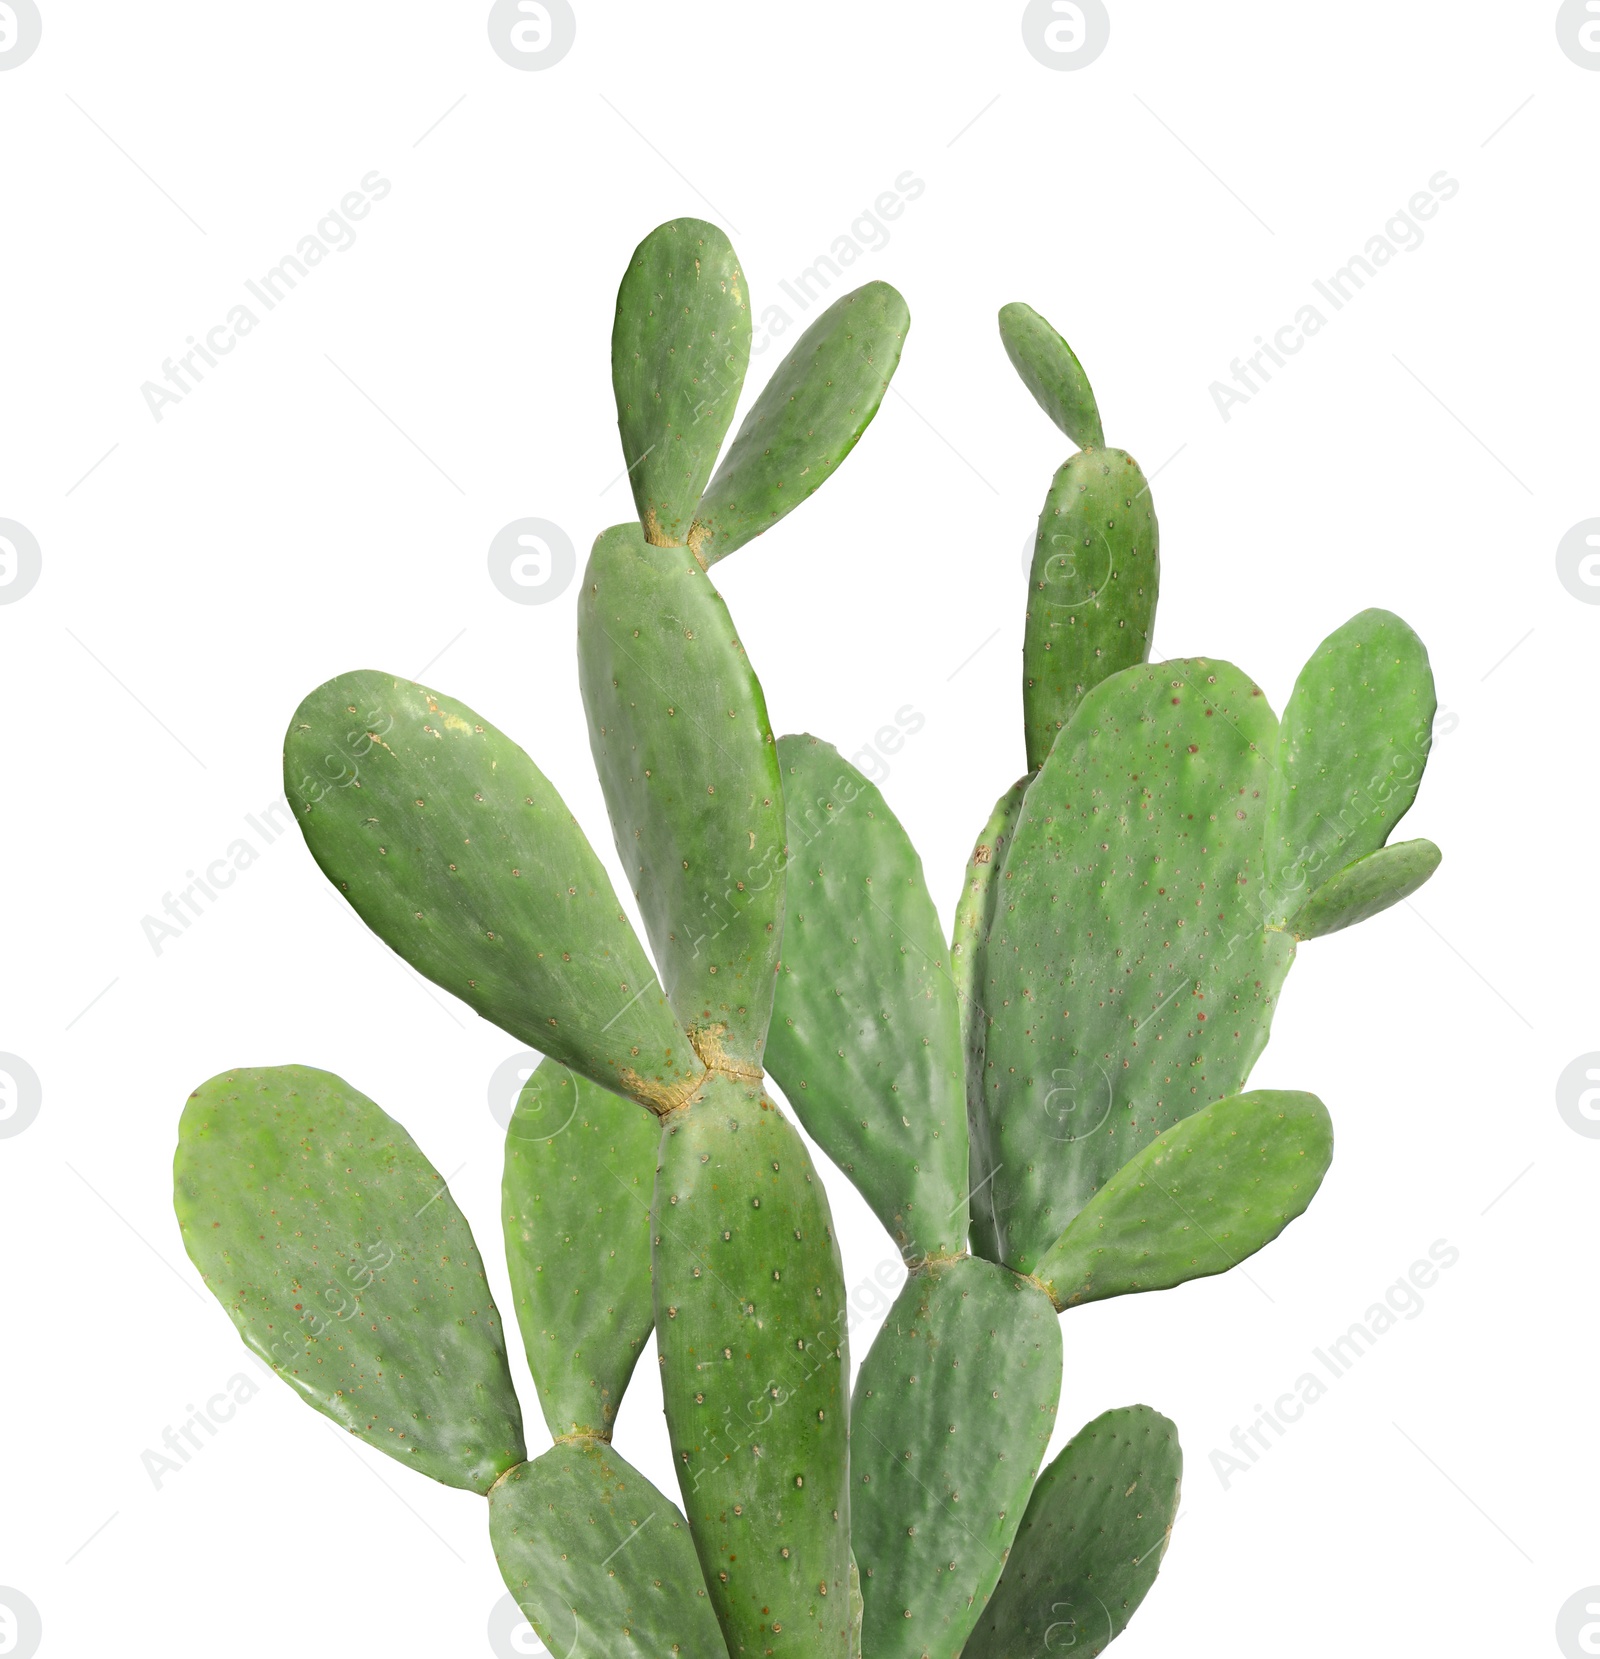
(341,1256)
(865,1040)
(561,1524)
(953,1411)
(1050,369)
(1047,1112)
(1217,1187)
(456,851)
(684,748)
(810,415)
(1091,1542)
(1355,738)
(1091,591)
(575,1206)
(679,348)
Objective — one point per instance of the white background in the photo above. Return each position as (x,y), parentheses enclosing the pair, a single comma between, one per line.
(326,499)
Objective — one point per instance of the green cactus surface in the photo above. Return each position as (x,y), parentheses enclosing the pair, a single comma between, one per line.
(975,908)
(454,848)
(1045,1112)
(1366,888)
(1091,1543)
(679,348)
(1214,1189)
(953,1411)
(580,1173)
(865,1040)
(1356,733)
(748,1287)
(1092,589)
(974,913)
(809,416)
(681,739)
(752,1330)
(1127,979)
(857,1609)
(341,1257)
(599,1561)
(1051,371)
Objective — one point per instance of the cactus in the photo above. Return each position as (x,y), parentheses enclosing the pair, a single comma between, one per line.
(340,1255)
(1044,1112)
(1091,1542)
(868,1011)
(1131,908)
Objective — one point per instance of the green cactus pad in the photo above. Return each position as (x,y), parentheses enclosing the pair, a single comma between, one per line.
(1355,739)
(974,910)
(1092,589)
(1366,888)
(866,1038)
(1127,980)
(338,1252)
(752,1329)
(580,1170)
(951,1418)
(976,904)
(1211,1191)
(685,751)
(455,850)
(598,1560)
(857,1609)
(1091,1543)
(809,416)
(1051,371)
(679,348)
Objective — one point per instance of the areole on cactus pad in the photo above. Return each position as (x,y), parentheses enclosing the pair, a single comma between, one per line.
(1047,1110)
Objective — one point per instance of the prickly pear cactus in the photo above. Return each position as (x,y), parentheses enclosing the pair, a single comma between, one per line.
(1130,910)
(1047,1111)
(651,1181)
